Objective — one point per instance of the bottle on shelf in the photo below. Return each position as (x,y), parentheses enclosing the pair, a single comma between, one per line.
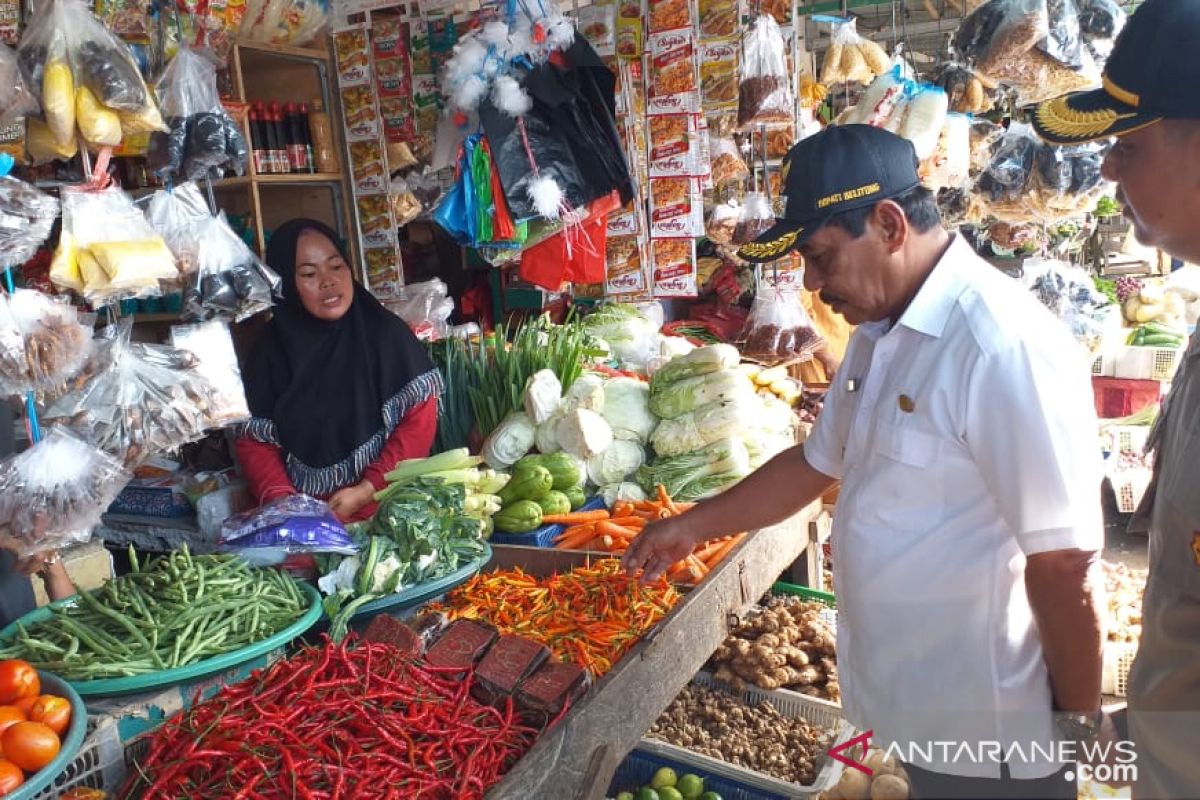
(306,136)
(297,152)
(282,161)
(258,140)
(322,138)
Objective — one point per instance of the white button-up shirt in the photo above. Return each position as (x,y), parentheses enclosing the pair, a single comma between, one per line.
(965,437)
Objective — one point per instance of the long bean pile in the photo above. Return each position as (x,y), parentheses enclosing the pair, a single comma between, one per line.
(356,719)
(590,615)
(178,610)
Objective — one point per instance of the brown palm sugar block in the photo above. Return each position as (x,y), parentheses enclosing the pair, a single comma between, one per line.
(386,629)
(554,685)
(511,660)
(461,646)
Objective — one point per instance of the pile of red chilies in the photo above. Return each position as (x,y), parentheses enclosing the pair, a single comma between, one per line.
(354,720)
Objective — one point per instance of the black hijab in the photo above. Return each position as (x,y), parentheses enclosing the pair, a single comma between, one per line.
(330,394)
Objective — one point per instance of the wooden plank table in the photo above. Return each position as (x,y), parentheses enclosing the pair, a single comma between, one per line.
(578,756)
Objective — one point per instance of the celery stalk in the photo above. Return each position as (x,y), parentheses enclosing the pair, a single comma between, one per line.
(442,462)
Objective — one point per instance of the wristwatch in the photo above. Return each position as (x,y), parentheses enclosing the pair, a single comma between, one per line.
(49,562)
(1079,727)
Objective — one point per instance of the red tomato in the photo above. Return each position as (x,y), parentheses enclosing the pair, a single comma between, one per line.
(26,704)
(9,716)
(30,745)
(54,712)
(10,777)
(18,679)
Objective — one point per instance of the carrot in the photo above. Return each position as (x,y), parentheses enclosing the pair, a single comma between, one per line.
(575,529)
(613,529)
(622,508)
(705,552)
(696,568)
(716,557)
(677,570)
(629,522)
(574,517)
(577,540)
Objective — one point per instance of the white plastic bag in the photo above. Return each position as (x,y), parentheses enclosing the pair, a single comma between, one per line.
(16,98)
(42,342)
(212,344)
(26,218)
(177,214)
(778,329)
(231,282)
(764,89)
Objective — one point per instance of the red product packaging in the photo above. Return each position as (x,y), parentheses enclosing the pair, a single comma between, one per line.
(386,629)
(545,693)
(511,660)
(461,646)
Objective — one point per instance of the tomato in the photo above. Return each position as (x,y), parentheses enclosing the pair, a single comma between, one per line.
(9,716)
(18,679)
(10,777)
(30,745)
(25,704)
(54,712)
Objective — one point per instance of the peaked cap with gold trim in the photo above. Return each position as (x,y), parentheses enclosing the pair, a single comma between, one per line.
(1152,74)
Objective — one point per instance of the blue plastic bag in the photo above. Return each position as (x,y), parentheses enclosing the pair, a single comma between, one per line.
(293,524)
(457,212)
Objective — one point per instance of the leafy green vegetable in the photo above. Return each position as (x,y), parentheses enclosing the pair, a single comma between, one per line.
(1107,207)
(1107,288)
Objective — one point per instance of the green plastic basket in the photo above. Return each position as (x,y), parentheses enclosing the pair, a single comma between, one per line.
(71,742)
(416,595)
(803,592)
(137,684)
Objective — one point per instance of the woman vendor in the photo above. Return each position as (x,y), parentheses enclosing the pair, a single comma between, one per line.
(339,388)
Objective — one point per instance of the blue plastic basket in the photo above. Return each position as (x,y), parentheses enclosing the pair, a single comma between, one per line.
(639,767)
(545,535)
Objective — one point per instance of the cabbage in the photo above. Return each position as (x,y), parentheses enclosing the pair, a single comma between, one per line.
(512,439)
(543,395)
(546,437)
(676,473)
(632,337)
(583,433)
(615,464)
(705,425)
(765,445)
(629,492)
(710,486)
(673,399)
(627,409)
(586,392)
(700,361)
(777,416)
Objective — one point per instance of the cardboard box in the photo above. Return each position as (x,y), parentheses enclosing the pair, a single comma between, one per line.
(89,565)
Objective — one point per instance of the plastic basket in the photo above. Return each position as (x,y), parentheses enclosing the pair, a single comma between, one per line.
(545,535)
(99,764)
(72,740)
(639,767)
(416,595)
(1128,438)
(818,713)
(826,598)
(1129,486)
(1147,363)
(1118,658)
(1120,397)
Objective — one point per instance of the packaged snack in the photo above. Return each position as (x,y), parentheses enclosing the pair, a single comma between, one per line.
(966,91)
(764,93)
(850,58)
(43,342)
(722,222)
(950,164)
(217,363)
(719,72)
(755,220)
(668,15)
(295,22)
(177,215)
(624,266)
(352,54)
(718,18)
(727,162)
(1004,186)
(26,218)
(202,138)
(16,98)
(672,62)
(674,267)
(881,101)
(231,282)
(778,329)
(54,493)
(675,146)
(677,207)
(926,114)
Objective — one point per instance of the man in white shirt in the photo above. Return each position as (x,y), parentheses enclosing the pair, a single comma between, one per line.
(963,430)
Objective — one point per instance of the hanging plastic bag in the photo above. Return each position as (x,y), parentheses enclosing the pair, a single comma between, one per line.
(950,164)
(778,329)
(851,58)
(26,218)
(727,162)
(43,342)
(212,345)
(108,243)
(426,307)
(764,88)
(17,99)
(1067,180)
(54,493)
(1005,185)
(924,118)
(756,219)
(722,223)
(98,124)
(881,102)
(44,59)
(202,136)
(176,215)
(1064,39)
(1100,22)
(295,22)
(230,282)
(967,92)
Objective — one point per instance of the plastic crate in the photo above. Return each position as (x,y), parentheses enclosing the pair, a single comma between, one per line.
(545,535)
(1127,438)
(819,713)
(1129,486)
(1118,658)
(781,588)
(1103,365)
(99,764)
(639,767)
(1120,397)
(1147,363)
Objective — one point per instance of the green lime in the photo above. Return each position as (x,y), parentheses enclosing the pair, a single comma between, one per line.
(710,796)
(646,793)
(664,777)
(669,793)
(624,795)
(690,786)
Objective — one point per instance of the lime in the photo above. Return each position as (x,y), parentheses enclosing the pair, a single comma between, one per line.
(664,777)
(624,795)
(646,793)
(669,793)
(690,786)
(710,796)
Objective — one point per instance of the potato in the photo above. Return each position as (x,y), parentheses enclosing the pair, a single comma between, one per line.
(854,785)
(889,787)
(880,763)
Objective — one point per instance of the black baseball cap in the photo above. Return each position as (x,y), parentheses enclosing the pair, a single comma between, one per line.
(1153,74)
(840,169)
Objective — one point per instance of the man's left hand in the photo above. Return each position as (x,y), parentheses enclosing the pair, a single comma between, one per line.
(347,502)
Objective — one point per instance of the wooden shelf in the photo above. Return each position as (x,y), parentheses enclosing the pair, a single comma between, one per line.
(285,50)
(160,318)
(299,177)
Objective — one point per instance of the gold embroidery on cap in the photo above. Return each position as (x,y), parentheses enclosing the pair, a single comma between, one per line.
(1124,95)
(774,248)
(907,404)
(849,194)
(1059,118)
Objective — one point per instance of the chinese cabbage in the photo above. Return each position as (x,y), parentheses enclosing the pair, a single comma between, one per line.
(674,399)
(705,425)
(627,409)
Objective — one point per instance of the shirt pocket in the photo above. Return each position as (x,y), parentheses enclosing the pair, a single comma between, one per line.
(903,485)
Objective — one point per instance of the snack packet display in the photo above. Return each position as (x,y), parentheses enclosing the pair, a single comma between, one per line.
(230,281)
(764,92)
(203,138)
(212,345)
(16,98)
(778,329)
(727,162)
(295,22)
(850,57)
(136,401)
(108,250)
(43,342)
(176,215)
(26,218)
(755,220)
(54,493)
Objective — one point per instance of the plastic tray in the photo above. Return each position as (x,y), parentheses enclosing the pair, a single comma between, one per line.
(545,535)
(821,714)
(52,684)
(826,598)
(156,680)
(420,593)
(639,767)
